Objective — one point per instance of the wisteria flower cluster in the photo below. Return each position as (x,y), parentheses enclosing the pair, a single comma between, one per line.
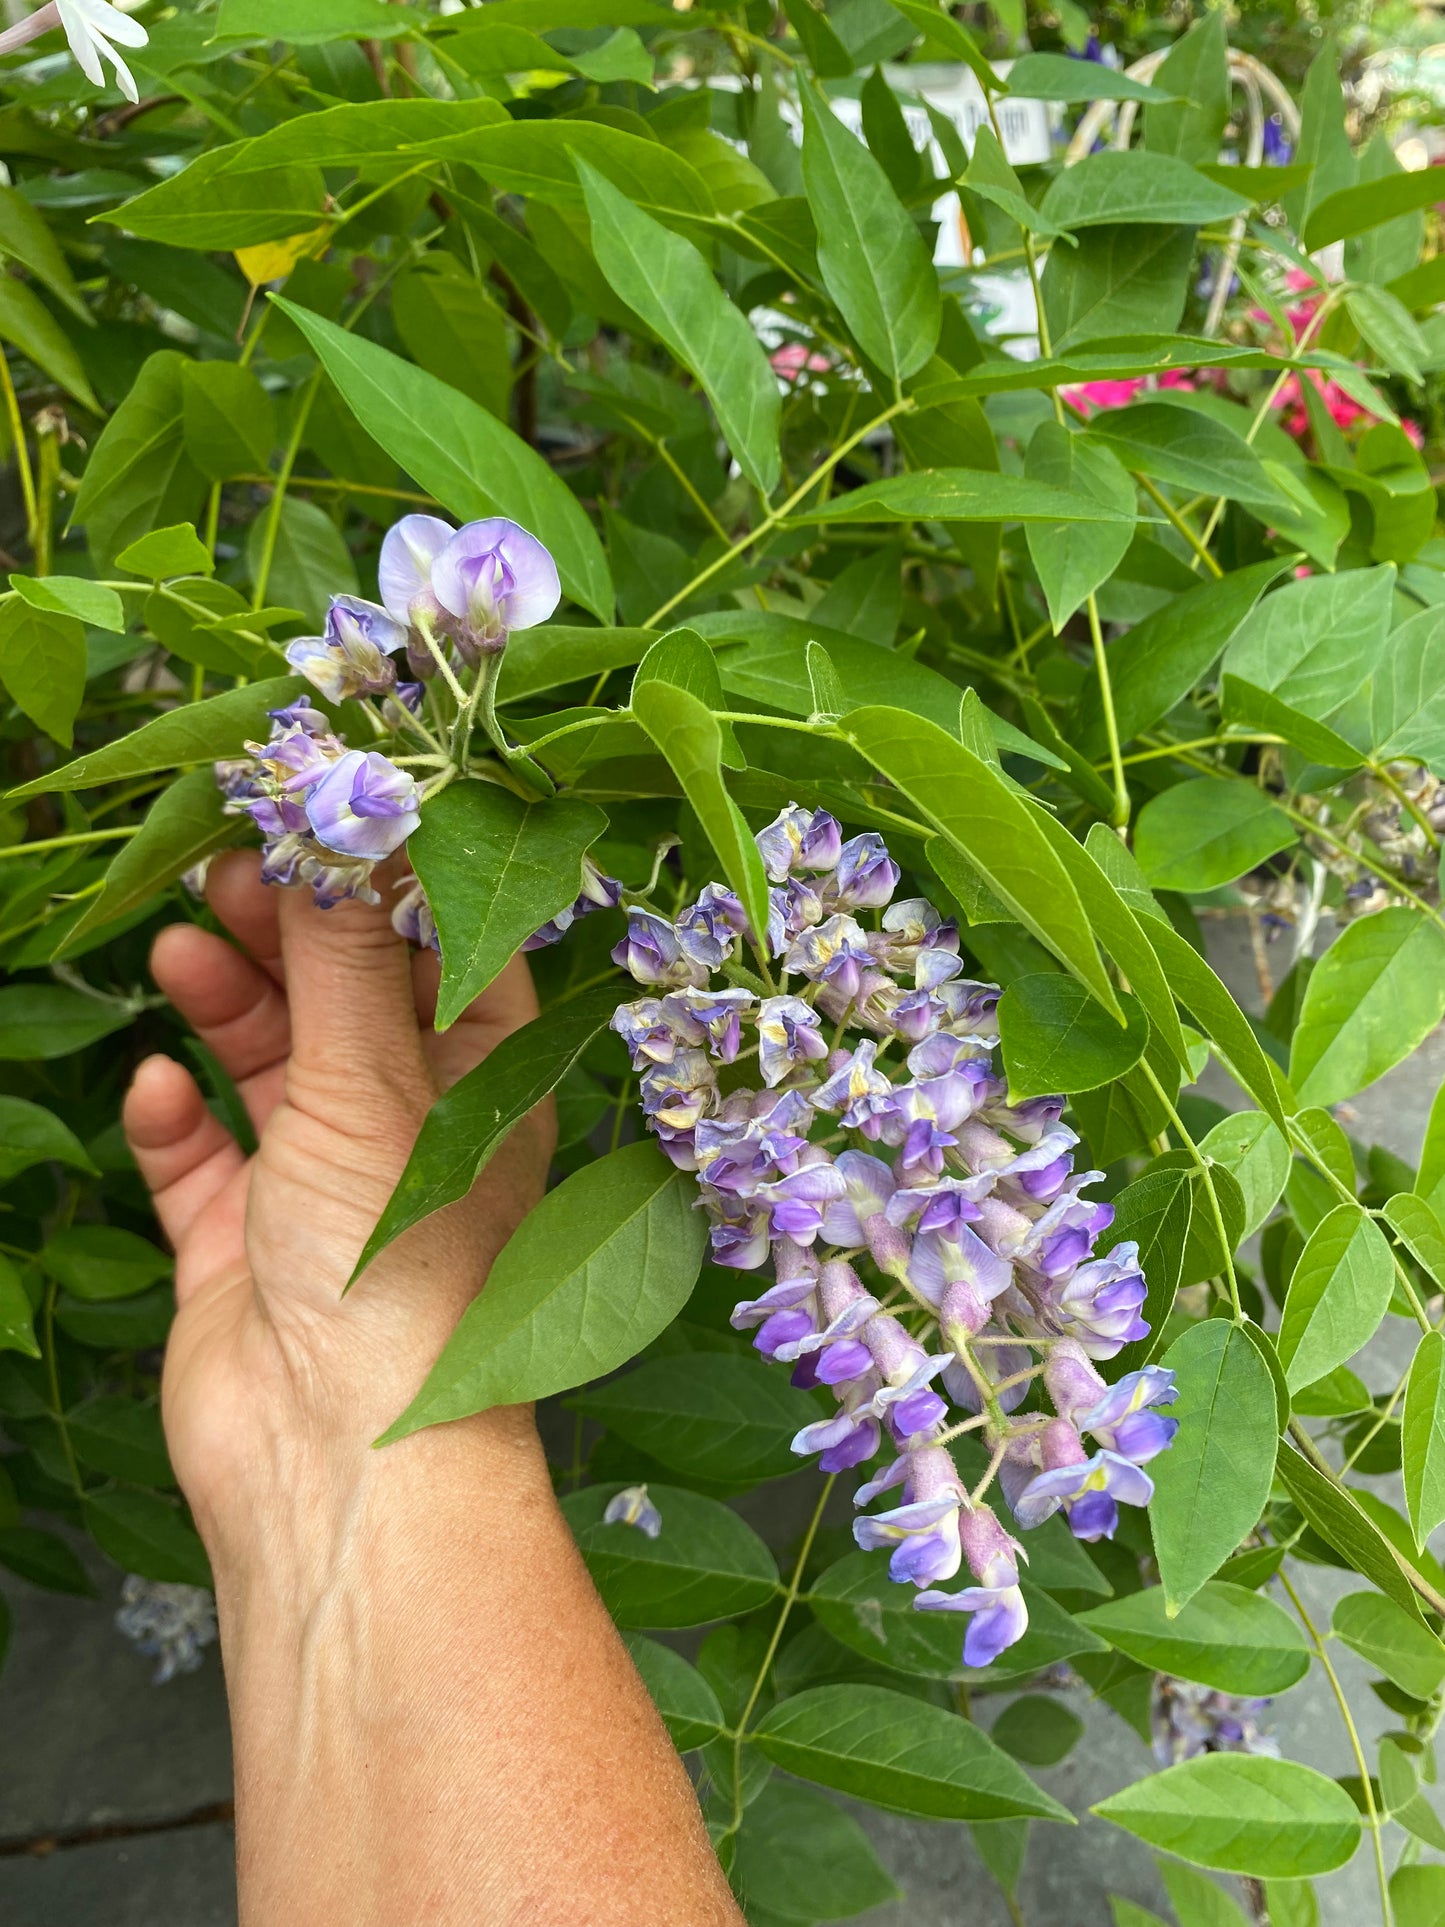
(928,1241)
(328,814)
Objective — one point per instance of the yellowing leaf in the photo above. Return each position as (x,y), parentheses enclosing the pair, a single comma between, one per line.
(274,260)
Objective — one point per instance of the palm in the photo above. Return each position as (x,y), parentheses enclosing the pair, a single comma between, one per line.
(330,1048)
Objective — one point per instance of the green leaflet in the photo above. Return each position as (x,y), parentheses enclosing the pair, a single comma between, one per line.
(470,461)
(1378,991)
(1338,1294)
(963,495)
(799,1856)
(1335,1516)
(723,1420)
(1226,1637)
(1393,1640)
(899,1753)
(1073,561)
(1204,832)
(706,1563)
(469,1123)
(662,277)
(142,1532)
(1313,642)
(1155,190)
(1212,1484)
(495,869)
(589,1277)
(872,258)
(1423,1437)
(1055,1037)
(29,1134)
(1407,692)
(687,1703)
(42,665)
(1242,1814)
(687,734)
(970,804)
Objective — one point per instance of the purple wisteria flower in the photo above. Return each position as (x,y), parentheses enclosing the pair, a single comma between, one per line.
(354,655)
(493,577)
(632,1507)
(929,1241)
(364,806)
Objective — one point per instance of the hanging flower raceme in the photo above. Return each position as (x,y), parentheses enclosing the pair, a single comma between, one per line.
(929,1241)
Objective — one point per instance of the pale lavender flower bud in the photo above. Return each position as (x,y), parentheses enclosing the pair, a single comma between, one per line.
(860,1096)
(1090,1490)
(789,1036)
(865,877)
(353,657)
(1098,1304)
(411,915)
(632,1507)
(1071,1381)
(1123,1423)
(924,1530)
(364,806)
(493,577)
(798,839)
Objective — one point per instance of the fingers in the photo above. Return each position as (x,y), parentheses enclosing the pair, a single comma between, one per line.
(185,1154)
(507,1003)
(233,1005)
(353,1020)
(247,906)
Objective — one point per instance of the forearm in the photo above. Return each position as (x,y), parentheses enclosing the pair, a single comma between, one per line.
(436,1721)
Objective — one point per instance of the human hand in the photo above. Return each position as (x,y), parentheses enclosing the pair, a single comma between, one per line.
(275,1383)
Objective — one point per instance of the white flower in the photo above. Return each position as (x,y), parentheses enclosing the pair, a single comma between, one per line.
(90,27)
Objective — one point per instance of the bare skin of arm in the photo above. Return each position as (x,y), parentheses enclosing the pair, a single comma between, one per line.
(434,1720)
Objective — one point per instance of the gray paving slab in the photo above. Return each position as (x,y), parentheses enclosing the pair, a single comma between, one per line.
(179,1879)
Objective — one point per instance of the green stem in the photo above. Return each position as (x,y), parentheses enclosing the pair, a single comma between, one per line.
(344,487)
(774,516)
(17,436)
(1382,776)
(63,842)
(790,1599)
(1158,496)
(272,526)
(1201,1164)
(1387,1917)
(52,1378)
(1119,821)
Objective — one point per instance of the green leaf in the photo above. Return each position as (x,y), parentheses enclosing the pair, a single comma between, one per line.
(799,1856)
(451,326)
(17,1314)
(139,476)
(44,1560)
(1037,1730)
(309,562)
(1241,704)
(145,1533)
(961,495)
(871,256)
(686,732)
(177,550)
(1256,1156)
(72,595)
(537,158)
(1055,1037)
(542,659)
(472,463)
(101,1261)
(1377,992)
(1314,641)
(1207,831)
(722,1420)
(323,21)
(1163,657)
(1418,1228)
(32,328)
(1155,1212)
(1073,561)
(1407,692)
(41,1021)
(826,55)
(1418,1896)
(1197,69)
(688,1705)
(900,1754)
(1182,445)
(469,1122)
(1211,1486)
(1058,77)
(1423,1437)
(1226,1637)
(970,804)
(26,238)
(186,824)
(495,869)
(591,1275)
(1388,327)
(118,1324)
(1355,210)
(43,666)
(704,1564)
(1392,1640)
(951,38)
(1239,1813)
(1199,1901)
(121,1438)
(991,178)
(228,419)
(29,1134)
(663,279)
(195,733)
(1142,189)
(1335,1516)
(1118,281)
(1338,1294)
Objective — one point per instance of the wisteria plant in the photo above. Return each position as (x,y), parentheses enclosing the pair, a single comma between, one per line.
(567,471)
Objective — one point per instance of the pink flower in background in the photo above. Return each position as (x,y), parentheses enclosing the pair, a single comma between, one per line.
(1090,396)
(795,358)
